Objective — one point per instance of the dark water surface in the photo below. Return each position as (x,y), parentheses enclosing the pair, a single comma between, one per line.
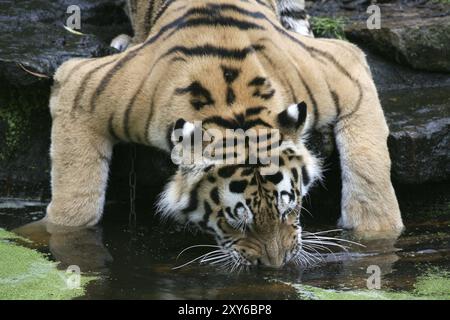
(137,263)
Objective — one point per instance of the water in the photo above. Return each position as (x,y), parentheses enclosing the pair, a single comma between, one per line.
(137,264)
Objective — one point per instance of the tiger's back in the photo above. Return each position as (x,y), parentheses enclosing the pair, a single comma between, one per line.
(183,51)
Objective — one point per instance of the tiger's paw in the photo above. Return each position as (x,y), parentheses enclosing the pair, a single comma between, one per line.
(121,42)
(371,221)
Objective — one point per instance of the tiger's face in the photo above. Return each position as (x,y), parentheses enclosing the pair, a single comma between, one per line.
(252,210)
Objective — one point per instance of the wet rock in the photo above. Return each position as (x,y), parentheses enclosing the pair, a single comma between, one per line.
(33,43)
(389,75)
(417,108)
(420,134)
(44,44)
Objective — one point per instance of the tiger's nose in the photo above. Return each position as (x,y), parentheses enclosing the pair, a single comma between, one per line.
(273,255)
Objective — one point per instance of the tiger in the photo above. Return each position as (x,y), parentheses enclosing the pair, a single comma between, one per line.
(226,65)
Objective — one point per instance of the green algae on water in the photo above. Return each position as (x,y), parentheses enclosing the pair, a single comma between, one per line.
(27,274)
(434,284)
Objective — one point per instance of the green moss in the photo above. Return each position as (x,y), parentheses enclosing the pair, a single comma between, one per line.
(20,110)
(325,27)
(16,126)
(432,285)
(16,117)
(28,274)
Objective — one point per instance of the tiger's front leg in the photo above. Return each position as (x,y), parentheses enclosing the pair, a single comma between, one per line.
(80,165)
(369,204)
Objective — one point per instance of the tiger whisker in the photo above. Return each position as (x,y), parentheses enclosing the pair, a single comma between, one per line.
(213,256)
(197,246)
(322,232)
(316,246)
(195,259)
(339,239)
(216,260)
(309,241)
(306,258)
(313,248)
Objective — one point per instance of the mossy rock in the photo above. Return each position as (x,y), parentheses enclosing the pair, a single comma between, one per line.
(420,44)
(26,274)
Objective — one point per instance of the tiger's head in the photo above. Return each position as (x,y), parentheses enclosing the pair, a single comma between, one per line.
(252,209)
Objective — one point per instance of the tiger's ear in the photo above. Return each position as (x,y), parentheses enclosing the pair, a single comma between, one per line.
(182,130)
(293,118)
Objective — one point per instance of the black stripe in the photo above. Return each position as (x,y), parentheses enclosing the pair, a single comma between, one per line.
(257,81)
(148,15)
(111,130)
(207,215)
(264,138)
(305,176)
(77,67)
(227,171)
(103,157)
(170,128)
(265,96)
(253,123)
(216,21)
(230,74)
(311,98)
(337,102)
(238,186)
(295,174)
(298,14)
(193,199)
(273,145)
(82,88)
(357,105)
(163,9)
(214,194)
(231,96)
(263,3)
(254,111)
(201,96)
(150,115)
(275,178)
(215,51)
(178,59)
(237,9)
(225,123)
(128,110)
(232,124)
